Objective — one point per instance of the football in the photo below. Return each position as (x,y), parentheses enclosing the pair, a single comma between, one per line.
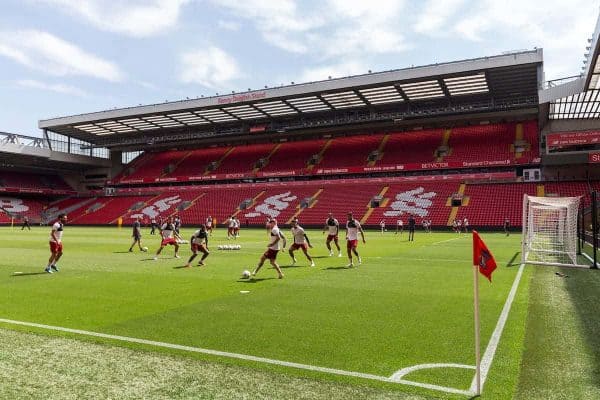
(246,274)
(144,248)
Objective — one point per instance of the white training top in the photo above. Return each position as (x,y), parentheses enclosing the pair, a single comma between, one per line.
(332,229)
(57,228)
(298,233)
(231,222)
(352,230)
(236,223)
(167,230)
(399,222)
(274,243)
(208,221)
(382,223)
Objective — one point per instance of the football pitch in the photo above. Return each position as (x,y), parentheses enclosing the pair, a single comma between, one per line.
(398,326)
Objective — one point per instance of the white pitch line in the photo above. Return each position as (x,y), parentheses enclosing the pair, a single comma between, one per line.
(490,351)
(242,357)
(444,241)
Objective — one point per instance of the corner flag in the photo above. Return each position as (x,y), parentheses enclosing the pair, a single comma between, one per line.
(482,257)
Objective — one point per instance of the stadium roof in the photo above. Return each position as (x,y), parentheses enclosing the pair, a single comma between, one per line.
(592,62)
(495,78)
(579,96)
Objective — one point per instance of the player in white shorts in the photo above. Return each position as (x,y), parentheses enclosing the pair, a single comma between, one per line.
(382,226)
(399,226)
(276,237)
(353,228)
(332,226)
(300,242)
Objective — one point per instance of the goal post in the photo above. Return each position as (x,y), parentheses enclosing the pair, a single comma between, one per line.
(550,231)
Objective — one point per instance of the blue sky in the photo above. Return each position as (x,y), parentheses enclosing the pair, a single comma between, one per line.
(63,57)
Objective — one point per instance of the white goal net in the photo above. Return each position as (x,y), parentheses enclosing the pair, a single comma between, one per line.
(550,230)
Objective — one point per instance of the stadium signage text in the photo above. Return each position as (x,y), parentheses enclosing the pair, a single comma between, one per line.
(332,171)
(567,139)
(238,98)
(594,158)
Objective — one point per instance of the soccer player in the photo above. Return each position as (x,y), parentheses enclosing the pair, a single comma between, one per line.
(507,227)
(458,226)
(153,226)
(276,237)
(300,242)
(169,237)
(137,234)
(454,226)
(332,226)
(209,223)
(466,224)
(382,226)
(353,228)
(56,246)
(230,227)
(177,224)
(399,226)
(236,227)
(199,243)
(25,223)
(411,228)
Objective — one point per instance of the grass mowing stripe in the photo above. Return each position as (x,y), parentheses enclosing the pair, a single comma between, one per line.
(385,315)
(490,351)
(240,356)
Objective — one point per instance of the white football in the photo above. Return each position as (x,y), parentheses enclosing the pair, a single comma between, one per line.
(144,248)
(220,247)
(246,274)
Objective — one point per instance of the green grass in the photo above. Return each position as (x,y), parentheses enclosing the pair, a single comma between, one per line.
(408,304)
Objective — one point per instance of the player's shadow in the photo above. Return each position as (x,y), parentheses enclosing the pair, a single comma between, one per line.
(511,262)
(292,266)
(148,259)
(255,280)
(337,268)
(122,252)
(320,256)
(29,274)
(182,267)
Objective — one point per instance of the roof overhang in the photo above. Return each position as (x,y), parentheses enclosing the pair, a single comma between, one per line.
(592,60)
(511,75)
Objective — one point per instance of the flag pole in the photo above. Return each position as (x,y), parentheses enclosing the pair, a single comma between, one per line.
(477,338)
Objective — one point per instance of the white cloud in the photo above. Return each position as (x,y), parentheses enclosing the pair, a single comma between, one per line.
(52,87)
(47,53)
(136,18)
(436,15)
(337,28)
(211,67)
(558,26)
(229,25)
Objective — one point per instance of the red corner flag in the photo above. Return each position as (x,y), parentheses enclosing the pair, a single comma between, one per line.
(482,257)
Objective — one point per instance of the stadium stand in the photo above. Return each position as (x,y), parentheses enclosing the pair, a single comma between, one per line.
(351,151)
(21,181)
(20,207)
(491,204)
(426,200)
(197,162)
(293,156)
(411,147)
(154,165)
(243,159)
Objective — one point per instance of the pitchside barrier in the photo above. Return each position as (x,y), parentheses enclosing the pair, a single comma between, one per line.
(588,231)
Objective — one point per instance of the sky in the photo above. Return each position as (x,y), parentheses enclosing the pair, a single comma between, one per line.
(65,57)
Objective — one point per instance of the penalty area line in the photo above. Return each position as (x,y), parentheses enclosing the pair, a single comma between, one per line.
(245,357)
